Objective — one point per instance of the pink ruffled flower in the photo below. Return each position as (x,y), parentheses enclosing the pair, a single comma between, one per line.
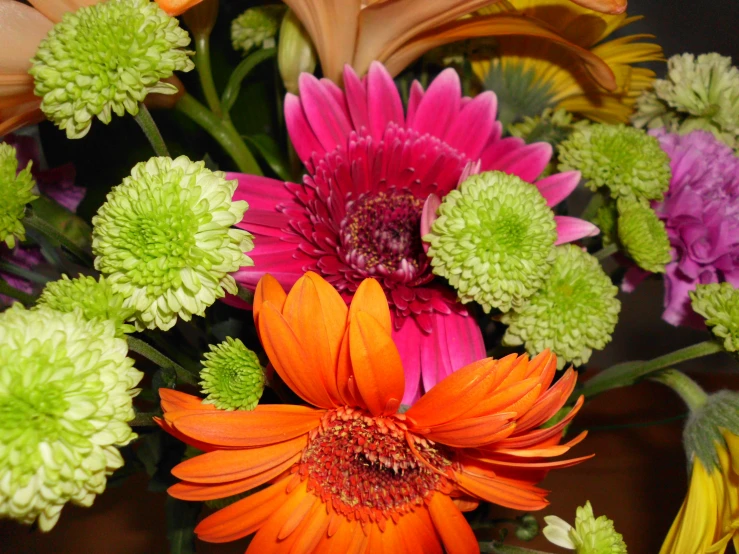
(701,213)
(371,166)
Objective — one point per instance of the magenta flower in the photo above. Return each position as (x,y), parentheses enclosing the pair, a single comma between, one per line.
(357,214)
(701,213)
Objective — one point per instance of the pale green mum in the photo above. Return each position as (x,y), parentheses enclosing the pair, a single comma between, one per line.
(232,377)
(66,388)
(16,190)
(164,240)
(106,58)
(719,304)
(256,27)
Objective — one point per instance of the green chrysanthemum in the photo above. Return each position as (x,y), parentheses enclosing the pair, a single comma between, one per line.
(96,299)
(164,240)
(232,377)
(626,160)
(643,236)
(699,93)
(106,58)
(493,240)
(552,126)
(65,400)
(719,304)
(574,312)
(256,28)
(606,218)
(590,535)
(16,190)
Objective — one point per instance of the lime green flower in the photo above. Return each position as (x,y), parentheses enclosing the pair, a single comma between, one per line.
(627,161)
(589,536)
(719,304)
(164,240)
(700,92)
(107,58)
(493,240)
(574,312)
(644,237)
(232,377)
(606,218)
(66,386)
(256,27)
(96,299)
(16,190)
(552,126)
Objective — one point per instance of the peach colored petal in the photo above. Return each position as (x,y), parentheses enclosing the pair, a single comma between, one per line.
(22,29)
(173,7)
(15,117)
(55,9)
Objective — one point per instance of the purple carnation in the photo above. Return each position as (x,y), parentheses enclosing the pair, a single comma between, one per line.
(701,213)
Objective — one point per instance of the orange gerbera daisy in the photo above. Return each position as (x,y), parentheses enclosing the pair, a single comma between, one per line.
(352,474)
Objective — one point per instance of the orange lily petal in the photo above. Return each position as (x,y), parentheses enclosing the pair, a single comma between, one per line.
(376,364)
(455,532)
(371,298)
(499,492)
(268,290)
(244,429)
(176,7)
(495,25)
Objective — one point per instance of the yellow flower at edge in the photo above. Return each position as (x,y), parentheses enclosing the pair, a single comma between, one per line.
(553,77)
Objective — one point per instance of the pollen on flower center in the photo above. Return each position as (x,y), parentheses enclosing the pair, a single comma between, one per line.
(367,468)
(380,234)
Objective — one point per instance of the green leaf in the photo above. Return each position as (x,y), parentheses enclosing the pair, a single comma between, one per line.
(270,151)
(181,519)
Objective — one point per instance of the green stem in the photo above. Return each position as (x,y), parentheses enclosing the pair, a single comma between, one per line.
(622,375)
(606,251)
(202,62)
(596,201)
(23,273)
(153,355)
(150,129)
(690,391)
(23,297)
(51,232)
(226,136)
(144,419)
(240,73)
(494,548)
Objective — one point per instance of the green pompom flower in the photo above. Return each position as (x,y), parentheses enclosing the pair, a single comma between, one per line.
(96,299)
(164,240)
(493,240)
(66,386)
(719,304)
(574,312)
(232,377)
(700,92)
(552,126)
(16,190)
(644,237)
(107,58)
(627,161)
(590,535)
(606,219)
(256,28)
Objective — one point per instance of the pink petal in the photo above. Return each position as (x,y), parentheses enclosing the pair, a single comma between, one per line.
(326,116)
(440,105)
(408,339)
(262,193)
(428,216)
(287,267)
(557,187)
(527,162)
(633,277)
(470,130)
(356,98)
(301,134)
(384,104)
(414,99)
(499,148)
(570,229)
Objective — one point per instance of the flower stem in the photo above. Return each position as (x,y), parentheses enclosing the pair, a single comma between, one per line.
(622,375)
(23,273)
(690,391)
(495,548)
(240,73)
(605,252)
(225,134)
(202,62)
(153,355)
(42,227)
(23,297)
(150,129)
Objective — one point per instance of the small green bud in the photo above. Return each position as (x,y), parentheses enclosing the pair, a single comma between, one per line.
(644,236)
(256,28)
(719,304)
(295,52)
(16,190)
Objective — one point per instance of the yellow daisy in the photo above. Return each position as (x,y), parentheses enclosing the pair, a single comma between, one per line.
(530,74)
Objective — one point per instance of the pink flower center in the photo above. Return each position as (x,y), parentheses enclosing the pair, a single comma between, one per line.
(380,235)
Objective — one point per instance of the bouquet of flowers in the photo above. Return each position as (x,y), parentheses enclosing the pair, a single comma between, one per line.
(337,288)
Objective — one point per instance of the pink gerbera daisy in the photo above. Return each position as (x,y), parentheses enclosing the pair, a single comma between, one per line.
(371,166)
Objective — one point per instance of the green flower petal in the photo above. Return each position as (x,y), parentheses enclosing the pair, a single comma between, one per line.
(105,59)
(644,236)
(164,240)
(232,377)
(574,313)
(16,190)
(593,535)
(256,28)
(66,386)
(493,240)
(719,304)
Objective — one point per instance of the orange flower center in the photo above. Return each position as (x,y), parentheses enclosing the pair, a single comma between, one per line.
(371,468)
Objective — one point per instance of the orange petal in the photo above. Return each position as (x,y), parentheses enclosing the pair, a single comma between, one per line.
(538,465)
(371,298)
(223,466)
(502,400)
(312,529)
(174,400)
(345,376)
(245,516)
(455,532)
(169,428)
(22,29)
(268,290)
(471,433)
(489,26)
(539,435)
(269,425)
(504,494)
(550,402)
(176,7)
(376,365)
(200,492)
(289,358)
(266,539)
(603,6)
(16,117)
